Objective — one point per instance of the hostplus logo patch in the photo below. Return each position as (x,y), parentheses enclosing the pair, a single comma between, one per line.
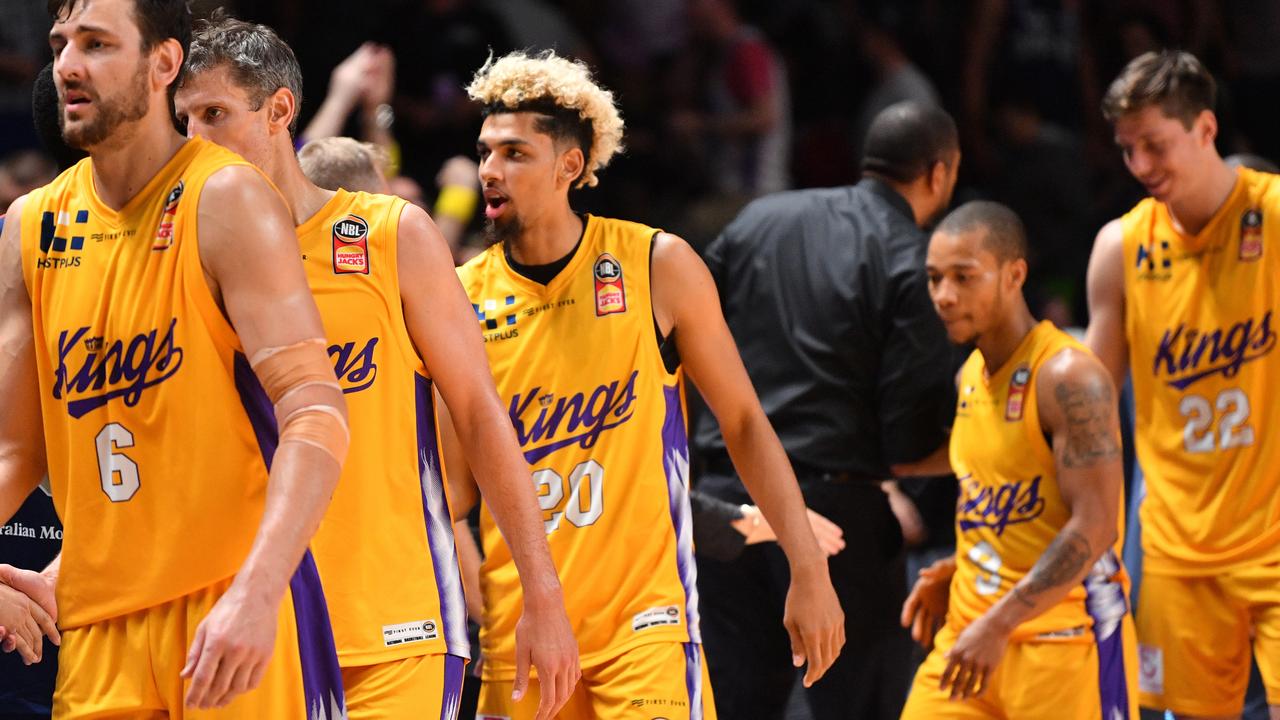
(497,318)
(59,243)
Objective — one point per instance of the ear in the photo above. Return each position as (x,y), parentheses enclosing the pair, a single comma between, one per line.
(1206,127)
(570,167)
(938,178)
(281,107)
(166,62)
(1016,273)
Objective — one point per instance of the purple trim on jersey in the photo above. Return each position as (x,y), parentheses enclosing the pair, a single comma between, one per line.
(693,678)
(1106,603)
(435,511)
(454,668)
(675,461)
(321,676)
(262,415)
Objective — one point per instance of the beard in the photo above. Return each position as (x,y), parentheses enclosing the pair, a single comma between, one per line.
(495,232)
(129,105)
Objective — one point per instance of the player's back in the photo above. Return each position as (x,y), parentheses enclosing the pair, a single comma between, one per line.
(385,549)
(1011,508)
(158,434)
(1199,319)
(600,418)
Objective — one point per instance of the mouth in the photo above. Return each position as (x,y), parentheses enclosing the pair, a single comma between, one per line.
(1155,185)
(495,202)
(76,100)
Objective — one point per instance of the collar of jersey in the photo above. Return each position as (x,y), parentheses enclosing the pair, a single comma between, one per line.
(148,191)
(563,277)
(326,211)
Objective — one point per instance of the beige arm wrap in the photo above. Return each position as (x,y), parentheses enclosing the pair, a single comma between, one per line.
(301,383)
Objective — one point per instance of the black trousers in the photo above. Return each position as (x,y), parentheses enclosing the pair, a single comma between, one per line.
(748,649)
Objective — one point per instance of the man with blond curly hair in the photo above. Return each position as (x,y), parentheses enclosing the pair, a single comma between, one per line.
(590,324)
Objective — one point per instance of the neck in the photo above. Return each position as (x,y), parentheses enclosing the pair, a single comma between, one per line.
(998,343)
(548,239)
(1192,214)
(126,162)
(304,197)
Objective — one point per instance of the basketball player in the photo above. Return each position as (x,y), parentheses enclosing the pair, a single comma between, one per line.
(1182,294)
(396,319)
(148,366)
(1036,623)
(589,324)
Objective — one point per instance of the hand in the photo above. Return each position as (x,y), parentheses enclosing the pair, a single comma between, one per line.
(976,653)
(459,171)
(756,529)
(348,79)
(926,606)
(545,640)
(231,648)
(25,624)
(36,585)
(379,82)
(814,621)
(914,531)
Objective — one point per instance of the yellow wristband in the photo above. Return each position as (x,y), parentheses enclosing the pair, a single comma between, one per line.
(457,202)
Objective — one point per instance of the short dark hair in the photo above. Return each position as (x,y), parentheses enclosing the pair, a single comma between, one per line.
(906,139)
(1004,234)
(1175,81)
(260,62)
(45,114)
(563,124)
(157,20)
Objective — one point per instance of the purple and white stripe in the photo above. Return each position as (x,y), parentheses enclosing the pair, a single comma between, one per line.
(675,461)
(435,509)
(1106,603)
(693,678)
(454,667)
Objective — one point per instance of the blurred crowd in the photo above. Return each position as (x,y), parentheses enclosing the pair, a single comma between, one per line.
(726,100)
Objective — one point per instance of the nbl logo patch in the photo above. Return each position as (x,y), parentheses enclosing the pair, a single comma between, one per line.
(611,294)
(1251,235)
(164,234)
(1017,393)
(351,246)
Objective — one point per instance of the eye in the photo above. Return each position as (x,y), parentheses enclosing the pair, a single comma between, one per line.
(514,154)
(213,114)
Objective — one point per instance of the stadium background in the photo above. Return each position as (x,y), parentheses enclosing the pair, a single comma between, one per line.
(1023,79)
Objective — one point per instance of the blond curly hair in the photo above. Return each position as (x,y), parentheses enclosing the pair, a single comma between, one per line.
(517,81)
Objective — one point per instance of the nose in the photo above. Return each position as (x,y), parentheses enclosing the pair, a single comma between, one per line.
(68,64)
(1139,163)
(195,128)
(943,293)
(490,169)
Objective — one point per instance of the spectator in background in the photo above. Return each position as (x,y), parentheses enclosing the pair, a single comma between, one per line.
(825,293)
(341,162)
(896,78)
(364,81)
(24,46)
(23,172)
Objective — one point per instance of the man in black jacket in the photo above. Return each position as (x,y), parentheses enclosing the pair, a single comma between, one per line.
(826,295)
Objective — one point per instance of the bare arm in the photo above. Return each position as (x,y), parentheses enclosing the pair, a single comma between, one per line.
(22,458)
(269,304)
(443,327)
(1105,285)
(685,302)
(1078,408)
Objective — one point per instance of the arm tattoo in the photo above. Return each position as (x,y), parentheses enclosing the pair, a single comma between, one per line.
(1088,406)
(1060,563)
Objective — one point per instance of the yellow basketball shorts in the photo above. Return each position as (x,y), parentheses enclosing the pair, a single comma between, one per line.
(127,666)
(1195,635)
(424,687)
(1039,680)
(666,679)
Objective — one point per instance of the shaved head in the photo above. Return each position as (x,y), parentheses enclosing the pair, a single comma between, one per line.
(1003,233)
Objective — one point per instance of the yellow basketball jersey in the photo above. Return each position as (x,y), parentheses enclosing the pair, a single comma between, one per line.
(1010,508)
(385,548)
(156,428)
(1199,318)
(601,422)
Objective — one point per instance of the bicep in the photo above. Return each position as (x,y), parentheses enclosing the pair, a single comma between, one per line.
(1105,290)
(684,292)
(1077,404)
(267,301)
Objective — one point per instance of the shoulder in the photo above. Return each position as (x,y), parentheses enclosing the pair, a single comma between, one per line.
(671,253)
(237,184)
(788,213)
(473,272)
(1263,187)
(1109,242)
(1072,370)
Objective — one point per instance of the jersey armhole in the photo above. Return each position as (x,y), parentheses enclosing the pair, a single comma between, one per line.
(201,293)
(666,345)
(389,229)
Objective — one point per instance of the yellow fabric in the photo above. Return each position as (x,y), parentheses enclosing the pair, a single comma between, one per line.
(407,689)
(1010,507)
(601,423)
(385,548)
(1199,318)
(148,405)
(1044,680)
(1186,672)
(659,680)
(128,666)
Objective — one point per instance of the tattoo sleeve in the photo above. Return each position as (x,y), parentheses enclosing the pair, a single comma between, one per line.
(1061,562)
(1088,407)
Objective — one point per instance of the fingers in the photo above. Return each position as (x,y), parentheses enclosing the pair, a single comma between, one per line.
(821,655)
(23,646)
(45,624)
(798,652)
(220,685)
(522,677)
(909,609)
(239,683)
(201,668)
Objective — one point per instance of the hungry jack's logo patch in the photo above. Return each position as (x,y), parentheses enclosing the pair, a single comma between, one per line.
(351,246)
(611,294)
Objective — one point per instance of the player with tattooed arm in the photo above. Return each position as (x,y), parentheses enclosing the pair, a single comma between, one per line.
(1036,622)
